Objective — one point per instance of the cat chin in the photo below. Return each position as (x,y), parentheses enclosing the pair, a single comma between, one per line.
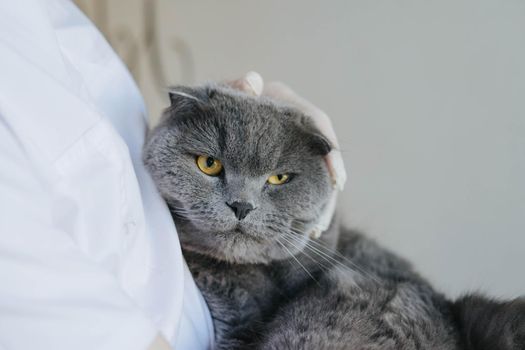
(236,247)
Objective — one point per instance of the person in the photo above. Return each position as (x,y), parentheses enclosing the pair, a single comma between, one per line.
(89,254)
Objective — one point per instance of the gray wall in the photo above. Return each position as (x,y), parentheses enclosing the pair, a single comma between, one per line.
(428,98)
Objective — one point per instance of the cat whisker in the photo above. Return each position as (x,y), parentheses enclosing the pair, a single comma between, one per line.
(345,260)
(326,257)
(188,217)
(326,252)
(342,268)
(297,260)
(295,245)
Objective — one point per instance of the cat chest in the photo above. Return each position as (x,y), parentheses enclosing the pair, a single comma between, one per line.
(236,297)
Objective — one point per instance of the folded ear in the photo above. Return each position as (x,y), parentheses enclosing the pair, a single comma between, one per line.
(181,96)
(319,144)
(315,140)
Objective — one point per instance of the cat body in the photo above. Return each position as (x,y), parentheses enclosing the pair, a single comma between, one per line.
(245,180)
(280,306)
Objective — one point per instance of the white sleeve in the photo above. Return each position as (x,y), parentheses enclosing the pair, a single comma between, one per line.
(52,296)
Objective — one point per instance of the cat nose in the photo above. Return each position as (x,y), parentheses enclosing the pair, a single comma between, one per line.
(241,209)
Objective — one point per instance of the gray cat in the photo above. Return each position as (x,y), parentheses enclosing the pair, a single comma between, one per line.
(245,180)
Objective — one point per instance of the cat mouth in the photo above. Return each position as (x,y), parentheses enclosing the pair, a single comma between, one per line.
(241,230)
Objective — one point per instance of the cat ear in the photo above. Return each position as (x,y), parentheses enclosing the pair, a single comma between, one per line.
(189,96)
(319,144)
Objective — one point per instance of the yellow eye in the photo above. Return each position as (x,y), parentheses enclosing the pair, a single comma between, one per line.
(278,179)
(209,166)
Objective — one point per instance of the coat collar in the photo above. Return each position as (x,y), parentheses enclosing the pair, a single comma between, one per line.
(39,95)
(26,29)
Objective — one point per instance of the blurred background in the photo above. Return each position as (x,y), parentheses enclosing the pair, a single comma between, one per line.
(427,97)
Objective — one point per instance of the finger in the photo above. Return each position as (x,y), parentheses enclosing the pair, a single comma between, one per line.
(252,83)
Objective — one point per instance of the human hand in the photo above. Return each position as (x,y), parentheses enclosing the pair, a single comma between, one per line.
(160,344)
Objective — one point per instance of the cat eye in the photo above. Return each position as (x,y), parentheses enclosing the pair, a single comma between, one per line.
(278,179)
(208,165)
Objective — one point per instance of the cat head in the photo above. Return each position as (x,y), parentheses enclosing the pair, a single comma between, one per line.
(243,176)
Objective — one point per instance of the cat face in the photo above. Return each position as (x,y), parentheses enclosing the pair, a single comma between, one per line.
(241,174)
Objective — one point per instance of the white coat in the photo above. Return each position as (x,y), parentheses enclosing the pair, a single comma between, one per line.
(89,255)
